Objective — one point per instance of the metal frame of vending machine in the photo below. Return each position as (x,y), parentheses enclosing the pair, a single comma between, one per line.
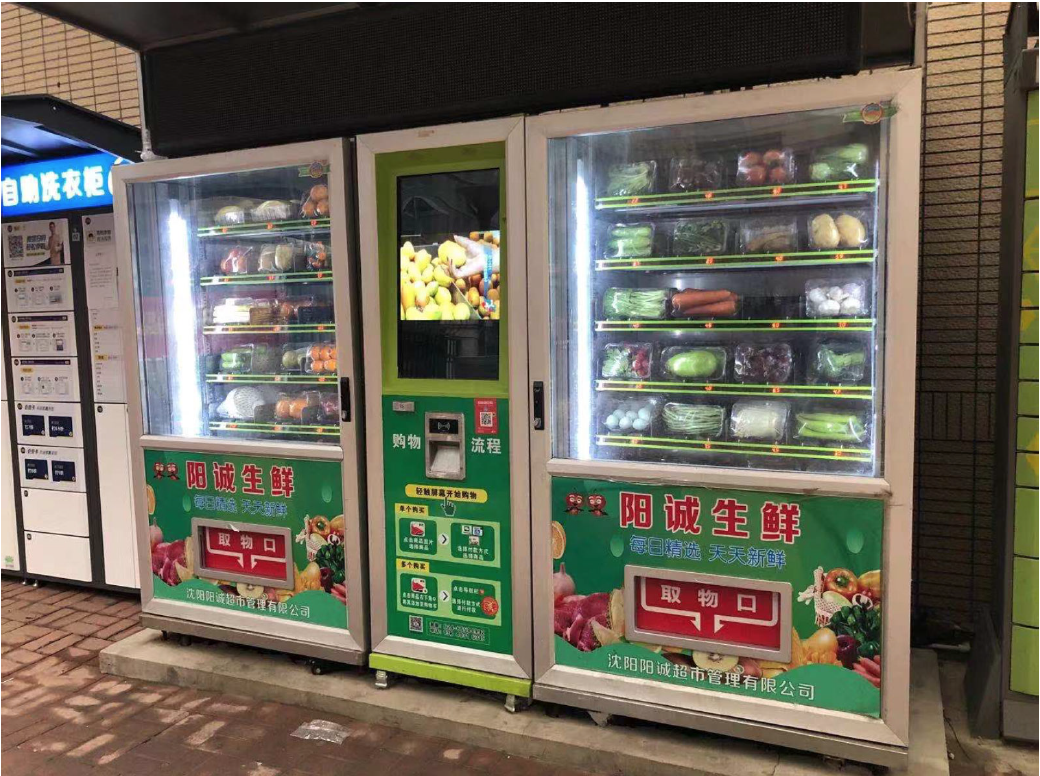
(617,679)
(246,496)
(447,454)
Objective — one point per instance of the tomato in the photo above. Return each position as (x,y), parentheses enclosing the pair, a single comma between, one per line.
(841,581)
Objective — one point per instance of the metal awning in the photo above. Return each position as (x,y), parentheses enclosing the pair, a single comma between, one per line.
(147,26)
(38,127)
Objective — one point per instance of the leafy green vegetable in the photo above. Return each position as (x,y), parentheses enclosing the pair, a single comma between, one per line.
(699,238)
(331,556)
(864,625)
(635,303)
(625,180)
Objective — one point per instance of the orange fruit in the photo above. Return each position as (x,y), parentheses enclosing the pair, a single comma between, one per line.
(559,540)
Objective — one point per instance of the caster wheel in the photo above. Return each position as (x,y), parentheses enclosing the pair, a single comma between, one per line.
(184,641)
(316,669)
(515,704)
(165,636)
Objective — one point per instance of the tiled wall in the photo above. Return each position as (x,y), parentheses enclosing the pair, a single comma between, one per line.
(960,245)
(44,56)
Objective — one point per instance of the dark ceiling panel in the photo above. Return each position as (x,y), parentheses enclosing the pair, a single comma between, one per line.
(361,71)
(143,26)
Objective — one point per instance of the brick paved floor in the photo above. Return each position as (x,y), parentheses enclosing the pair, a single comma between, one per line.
(60,715)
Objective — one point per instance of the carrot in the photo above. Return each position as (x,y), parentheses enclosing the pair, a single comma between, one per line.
(870,665)
(874,680)
(692,297)
(727,307)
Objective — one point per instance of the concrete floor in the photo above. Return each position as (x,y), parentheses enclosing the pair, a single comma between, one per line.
(971,756)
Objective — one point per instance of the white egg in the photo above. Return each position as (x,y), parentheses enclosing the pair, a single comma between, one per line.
(852,289)
(630,414)
(828,308)
(640,424)
(612,422)
(850,306)
(644,413)
(835,293)
(817,295)
(625,424)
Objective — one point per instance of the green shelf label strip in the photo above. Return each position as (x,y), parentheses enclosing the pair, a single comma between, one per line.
(268,379)
(671,199)
(740,260)
(270,328)
(265,279)
(275,429)
(795,324)
(858,455)
(255,229)
(856,392)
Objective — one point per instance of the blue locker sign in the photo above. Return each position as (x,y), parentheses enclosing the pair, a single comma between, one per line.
(58,184)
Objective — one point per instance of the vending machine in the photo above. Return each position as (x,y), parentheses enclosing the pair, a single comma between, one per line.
(722,314)
(247,464)
(442,244)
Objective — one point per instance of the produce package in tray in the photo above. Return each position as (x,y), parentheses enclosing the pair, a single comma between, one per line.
(701,237)
(840,163)
(626,361)
(833,299)
(704,304)
(759,421)
(822,426)
(631,179)
(838,230)
(838,362)
(623,241)
(694,364)
(771,364)
(692,172)
(636,304)
(777,234)
(251,359)
(628,416)
(695,420)
(768,167)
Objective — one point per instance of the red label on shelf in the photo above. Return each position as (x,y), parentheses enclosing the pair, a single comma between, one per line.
(255,553)
(486,413)
(728,614)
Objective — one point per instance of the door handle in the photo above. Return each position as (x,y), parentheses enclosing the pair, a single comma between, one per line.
(344,399)
(538,404)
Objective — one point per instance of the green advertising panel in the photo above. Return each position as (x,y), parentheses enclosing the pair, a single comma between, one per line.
(448,542)
(705,544)
(244,533)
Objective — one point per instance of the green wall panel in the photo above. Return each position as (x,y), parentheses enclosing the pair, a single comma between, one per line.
(1027,522)
(1024,673)
(1026,601)
(1026,437)
(1028,398)
(1027,362)
(1025,470)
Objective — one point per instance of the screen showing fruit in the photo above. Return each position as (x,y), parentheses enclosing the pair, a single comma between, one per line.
(450,294)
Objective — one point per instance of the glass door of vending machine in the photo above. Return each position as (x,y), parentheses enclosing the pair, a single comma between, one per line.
(442,217)
(723,327)
(248,480)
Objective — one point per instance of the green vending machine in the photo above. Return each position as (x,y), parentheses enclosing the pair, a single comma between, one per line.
(442,241)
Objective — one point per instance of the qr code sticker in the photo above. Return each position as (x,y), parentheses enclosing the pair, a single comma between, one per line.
(415,623)
(487,419)
(15,246)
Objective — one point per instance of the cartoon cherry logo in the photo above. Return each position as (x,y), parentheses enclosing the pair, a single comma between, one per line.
(489,606)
